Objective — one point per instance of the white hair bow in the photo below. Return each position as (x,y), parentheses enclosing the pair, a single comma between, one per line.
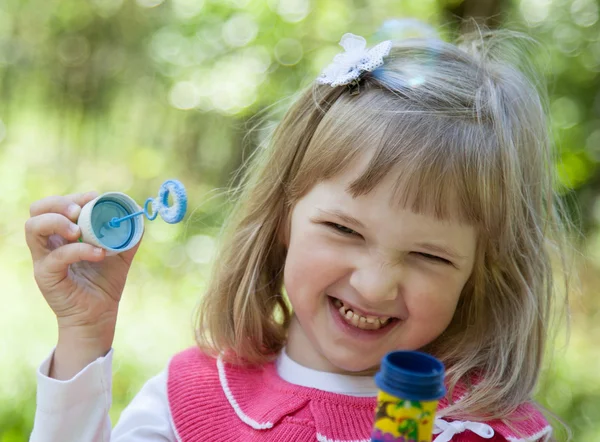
(447,430)
(348,66)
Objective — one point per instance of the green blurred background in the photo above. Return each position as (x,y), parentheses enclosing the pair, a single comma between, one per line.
(122,94)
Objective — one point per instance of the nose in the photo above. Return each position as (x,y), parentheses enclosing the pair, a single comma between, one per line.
(376,281)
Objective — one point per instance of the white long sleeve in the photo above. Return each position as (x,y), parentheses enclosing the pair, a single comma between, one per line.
(77,410)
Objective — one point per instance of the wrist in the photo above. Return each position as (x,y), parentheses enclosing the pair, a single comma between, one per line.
(96,332)
(75,350)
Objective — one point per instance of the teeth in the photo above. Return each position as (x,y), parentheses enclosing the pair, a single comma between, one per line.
(363,322)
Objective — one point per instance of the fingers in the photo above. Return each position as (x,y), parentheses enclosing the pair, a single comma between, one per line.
(82,199)
(68,205)
(54,215)
(56,264)
(39,228)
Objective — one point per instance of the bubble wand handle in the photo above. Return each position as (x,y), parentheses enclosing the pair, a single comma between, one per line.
(116,222)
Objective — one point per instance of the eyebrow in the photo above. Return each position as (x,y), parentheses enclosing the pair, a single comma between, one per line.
(343,216)
(434,248)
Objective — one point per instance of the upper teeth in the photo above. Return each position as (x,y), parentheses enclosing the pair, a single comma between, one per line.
(366,322)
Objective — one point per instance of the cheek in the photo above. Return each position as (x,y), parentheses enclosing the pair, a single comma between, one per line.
(437,304)
(429,315)
(311,267)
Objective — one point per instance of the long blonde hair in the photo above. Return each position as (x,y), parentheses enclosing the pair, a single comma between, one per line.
(464,120)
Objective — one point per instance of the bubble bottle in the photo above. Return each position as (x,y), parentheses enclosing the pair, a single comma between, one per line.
(410,385)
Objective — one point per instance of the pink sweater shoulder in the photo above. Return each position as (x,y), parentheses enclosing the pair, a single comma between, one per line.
(214,401)
(211,400)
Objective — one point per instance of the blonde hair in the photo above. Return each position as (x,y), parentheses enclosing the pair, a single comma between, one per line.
(453,121)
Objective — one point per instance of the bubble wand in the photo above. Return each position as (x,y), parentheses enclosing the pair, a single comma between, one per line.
(114,222)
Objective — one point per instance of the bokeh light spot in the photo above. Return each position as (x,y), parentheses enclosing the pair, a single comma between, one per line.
(565,112)
(567,38)
(184,95)
(535,11)
(293,11)
(584,12)
(592,144)
(240,30)
(73,50)
(175,257)
(257,59)
(573,170)
(200,248)
(288,51)
(168,45)
(186,9)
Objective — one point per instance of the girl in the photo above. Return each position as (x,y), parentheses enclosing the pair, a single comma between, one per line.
(405,201)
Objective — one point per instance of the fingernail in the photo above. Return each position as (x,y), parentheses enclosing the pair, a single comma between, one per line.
(97,251)
(74,228)
(73,209)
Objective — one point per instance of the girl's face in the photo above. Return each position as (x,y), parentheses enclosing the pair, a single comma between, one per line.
(353,263)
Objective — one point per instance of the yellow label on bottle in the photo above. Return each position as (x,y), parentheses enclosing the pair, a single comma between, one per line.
(402,419)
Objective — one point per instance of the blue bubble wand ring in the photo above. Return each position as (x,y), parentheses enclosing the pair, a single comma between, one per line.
(160,205)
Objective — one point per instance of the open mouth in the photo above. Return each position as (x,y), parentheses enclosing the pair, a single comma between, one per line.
(357,320)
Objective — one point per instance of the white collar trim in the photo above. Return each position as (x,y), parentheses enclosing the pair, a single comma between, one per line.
(236,407)
(294,373)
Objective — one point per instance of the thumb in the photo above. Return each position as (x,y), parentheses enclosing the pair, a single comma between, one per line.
(128,255)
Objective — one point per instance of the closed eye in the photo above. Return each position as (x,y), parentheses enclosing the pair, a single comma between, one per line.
(433,258)
(341,229)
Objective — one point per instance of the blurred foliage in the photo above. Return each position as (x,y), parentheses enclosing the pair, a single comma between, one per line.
(122,94)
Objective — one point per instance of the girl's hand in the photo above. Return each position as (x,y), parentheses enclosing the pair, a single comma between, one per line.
(81,285)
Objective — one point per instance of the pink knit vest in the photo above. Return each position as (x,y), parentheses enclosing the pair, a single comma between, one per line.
(211,401)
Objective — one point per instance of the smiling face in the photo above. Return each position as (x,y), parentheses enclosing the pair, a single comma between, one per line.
(345,276)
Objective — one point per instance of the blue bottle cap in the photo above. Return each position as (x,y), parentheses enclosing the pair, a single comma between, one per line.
(112,237)
(411,375)
(95,223)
